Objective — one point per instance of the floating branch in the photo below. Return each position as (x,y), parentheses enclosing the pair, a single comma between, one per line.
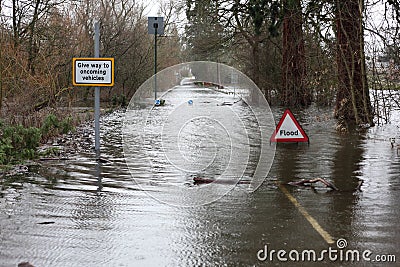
(307,182)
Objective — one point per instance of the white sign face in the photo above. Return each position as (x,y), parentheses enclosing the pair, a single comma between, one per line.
(93,71)
(289,130)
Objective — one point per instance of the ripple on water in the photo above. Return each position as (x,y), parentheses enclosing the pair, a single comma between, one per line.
(116,223)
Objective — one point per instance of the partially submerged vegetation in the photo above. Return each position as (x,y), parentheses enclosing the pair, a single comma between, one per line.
(297,52)
(19,143)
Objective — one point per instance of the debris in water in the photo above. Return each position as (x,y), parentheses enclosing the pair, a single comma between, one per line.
(307,182)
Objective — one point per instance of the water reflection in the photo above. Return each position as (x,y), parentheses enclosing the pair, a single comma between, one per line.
(347,163)
(347,160)
(98,174)
(102,218)
(376,211)
(289,163)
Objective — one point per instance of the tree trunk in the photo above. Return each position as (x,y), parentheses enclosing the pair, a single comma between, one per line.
(1,68)
(352,102)
(32,50)
(15,23)
(294,91)
(256,59)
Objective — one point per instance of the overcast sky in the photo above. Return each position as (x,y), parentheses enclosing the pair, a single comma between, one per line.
(152,7)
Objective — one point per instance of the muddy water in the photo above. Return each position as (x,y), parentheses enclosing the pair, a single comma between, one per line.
(80,212)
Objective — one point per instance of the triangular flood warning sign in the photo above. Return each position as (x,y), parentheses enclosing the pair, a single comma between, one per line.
(288,130)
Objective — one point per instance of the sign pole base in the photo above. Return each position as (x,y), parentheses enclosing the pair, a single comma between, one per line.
(97,121)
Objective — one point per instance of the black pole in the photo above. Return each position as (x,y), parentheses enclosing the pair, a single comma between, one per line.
(155,63)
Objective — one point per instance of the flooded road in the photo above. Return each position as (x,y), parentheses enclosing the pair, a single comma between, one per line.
(79,212)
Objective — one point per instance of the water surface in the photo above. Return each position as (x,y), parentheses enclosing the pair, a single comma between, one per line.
(79,212)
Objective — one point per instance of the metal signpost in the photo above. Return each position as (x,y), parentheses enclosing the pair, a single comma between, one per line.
(155,26)
(94,72)
(97,93)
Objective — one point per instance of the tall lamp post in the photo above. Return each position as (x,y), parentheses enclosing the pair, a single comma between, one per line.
(156,27)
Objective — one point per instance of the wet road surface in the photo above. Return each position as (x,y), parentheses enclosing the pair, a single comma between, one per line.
(80,212)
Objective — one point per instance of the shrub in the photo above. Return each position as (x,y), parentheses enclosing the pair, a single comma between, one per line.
(66,125)
(18,143)
(52,126)
(119,100)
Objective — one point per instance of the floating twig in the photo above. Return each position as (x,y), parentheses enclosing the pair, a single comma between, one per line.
(200,180)
(305,182)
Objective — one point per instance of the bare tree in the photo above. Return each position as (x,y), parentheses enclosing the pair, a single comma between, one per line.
(294,88)
(353,101)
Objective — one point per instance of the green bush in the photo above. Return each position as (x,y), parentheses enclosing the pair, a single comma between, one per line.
(18,143)
(5,148)
(123,100)
(114,100)
(52,126)
(66,125)
(119,100)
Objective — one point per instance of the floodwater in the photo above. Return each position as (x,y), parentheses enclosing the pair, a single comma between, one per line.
(79,212)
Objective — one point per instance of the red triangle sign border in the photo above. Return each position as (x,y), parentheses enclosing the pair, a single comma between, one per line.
(286,113)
